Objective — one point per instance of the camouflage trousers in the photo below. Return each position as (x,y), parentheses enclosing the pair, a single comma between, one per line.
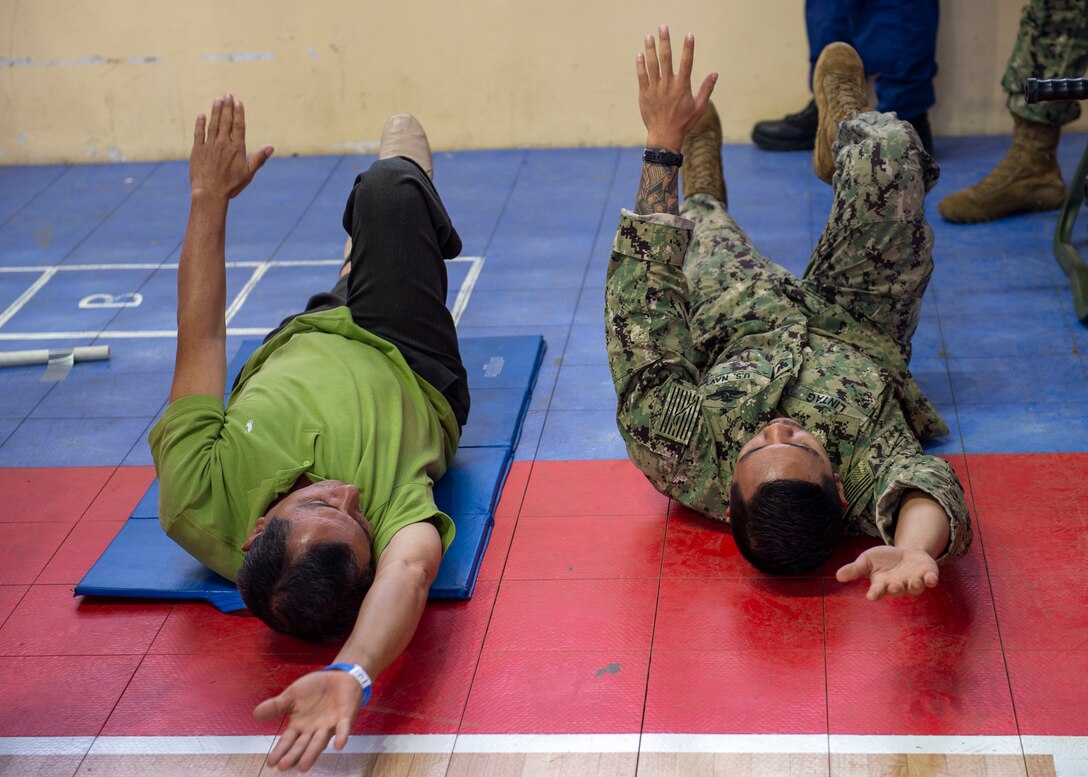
(874,258)
(1052,43)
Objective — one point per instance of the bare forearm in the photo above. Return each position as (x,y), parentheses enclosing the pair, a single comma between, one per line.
(388,618)
(922,524)
(658,191)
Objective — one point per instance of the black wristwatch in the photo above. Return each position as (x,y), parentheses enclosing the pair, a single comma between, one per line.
(667,158)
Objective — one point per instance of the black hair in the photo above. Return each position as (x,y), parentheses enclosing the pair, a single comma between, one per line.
(315,598)
(788,527)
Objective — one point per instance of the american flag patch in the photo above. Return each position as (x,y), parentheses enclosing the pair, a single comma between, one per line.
(680,414)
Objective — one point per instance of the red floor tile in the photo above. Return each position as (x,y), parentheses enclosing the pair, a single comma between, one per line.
(57,696)
(25,549)
(1042,611)
(604,546)
(1025,542)
(584,615)
(193,695)
(958,614)
(574,488)
(932,691)
(49,621)
(698,547)
(50,493)
(557,693)
(498,548)
(719,614)
(122,492)
(199,628)
(419,694)
(513,490)
(1056,482)
(737,692)
(81,548)
(9,597)
(1050,689)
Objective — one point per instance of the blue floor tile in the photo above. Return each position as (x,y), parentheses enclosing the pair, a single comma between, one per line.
(522,307)
(146,227)
(1021,381)
(74,301)
(950,444)
(586,345)
(563,268)
(21,389)
(927,343)
(1010,323)
(530,435)
(580,434)
(158,309)
(139,454)
(475,187)
(931,375)
(320,234)
(65,442)
(20,184)
(584,387)
(265,214)
(7,426)
(1049,427)
(67,212)
(283,291)
(84,394)
(545,384)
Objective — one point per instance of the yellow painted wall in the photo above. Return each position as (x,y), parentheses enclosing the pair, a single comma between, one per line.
(123,79)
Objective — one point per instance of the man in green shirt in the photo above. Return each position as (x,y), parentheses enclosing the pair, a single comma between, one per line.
(784,406)
(312,487)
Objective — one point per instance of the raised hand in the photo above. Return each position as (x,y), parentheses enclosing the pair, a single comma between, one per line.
(218,165)
(892,571)
(669,109)
(321,705)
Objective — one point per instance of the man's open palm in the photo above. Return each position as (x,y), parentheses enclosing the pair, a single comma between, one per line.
(320,705)
(892,571)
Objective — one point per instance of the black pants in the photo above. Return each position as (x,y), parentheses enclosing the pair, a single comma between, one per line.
(400,237)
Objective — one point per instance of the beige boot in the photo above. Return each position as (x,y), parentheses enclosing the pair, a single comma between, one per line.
(403,135)
(701,172)
(838,84)
(1028,178)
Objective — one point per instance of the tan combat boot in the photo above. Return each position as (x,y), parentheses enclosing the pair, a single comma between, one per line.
(838,84)
(701,172)
(403,135)
(1028,178)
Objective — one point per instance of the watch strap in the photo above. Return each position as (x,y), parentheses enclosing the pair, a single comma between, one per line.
(359,674)
(660,157)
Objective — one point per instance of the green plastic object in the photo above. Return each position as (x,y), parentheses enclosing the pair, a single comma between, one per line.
(1074,265)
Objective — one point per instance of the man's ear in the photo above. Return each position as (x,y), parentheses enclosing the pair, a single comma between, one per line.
(842,491)
(258,527)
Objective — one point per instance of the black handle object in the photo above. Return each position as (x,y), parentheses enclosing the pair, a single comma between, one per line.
(1039,90)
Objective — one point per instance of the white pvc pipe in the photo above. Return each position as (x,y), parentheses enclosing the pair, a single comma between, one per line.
(83,353)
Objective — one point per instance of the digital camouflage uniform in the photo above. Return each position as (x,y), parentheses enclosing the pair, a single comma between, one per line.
(708,340)
(1052,43)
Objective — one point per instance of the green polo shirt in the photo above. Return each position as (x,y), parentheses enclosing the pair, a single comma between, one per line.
(324,398)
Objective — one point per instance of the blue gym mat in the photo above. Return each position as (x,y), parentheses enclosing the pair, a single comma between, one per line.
(143,562)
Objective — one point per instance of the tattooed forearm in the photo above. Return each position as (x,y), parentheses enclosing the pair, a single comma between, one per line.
(658,192)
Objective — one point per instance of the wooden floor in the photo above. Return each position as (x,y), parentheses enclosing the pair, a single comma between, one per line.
(542,765)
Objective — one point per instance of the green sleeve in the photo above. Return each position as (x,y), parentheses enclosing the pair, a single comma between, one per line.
(183,447)
(908,467)
(408,504)
(650,351)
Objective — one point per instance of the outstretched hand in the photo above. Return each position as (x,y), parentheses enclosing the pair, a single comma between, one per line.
(669,109)
(892,571)
(218,165)
(321,705)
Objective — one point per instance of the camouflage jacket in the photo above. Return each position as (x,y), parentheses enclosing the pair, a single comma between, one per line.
(685,417)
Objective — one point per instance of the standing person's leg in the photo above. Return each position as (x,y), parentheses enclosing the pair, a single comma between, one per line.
(875,255)
(897,40)
(1052,43)
(826,21)
(401,236)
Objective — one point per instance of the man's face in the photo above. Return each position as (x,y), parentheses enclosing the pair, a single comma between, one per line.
(781,450)
(323,512)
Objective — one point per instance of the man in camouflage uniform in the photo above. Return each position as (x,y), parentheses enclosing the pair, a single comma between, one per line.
(1052,43)
(728,368)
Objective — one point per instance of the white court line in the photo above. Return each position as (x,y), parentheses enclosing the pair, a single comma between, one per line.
(45,745)
(467,285)
(26,296)
(260,269)
(928,745)
(243,295)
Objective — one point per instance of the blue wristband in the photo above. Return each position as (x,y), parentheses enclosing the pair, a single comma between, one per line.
(360,676)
